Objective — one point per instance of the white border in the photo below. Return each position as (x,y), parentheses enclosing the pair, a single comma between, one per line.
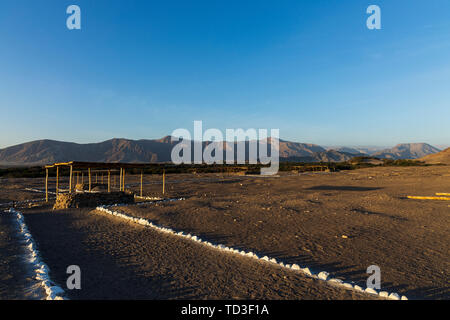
(323,276)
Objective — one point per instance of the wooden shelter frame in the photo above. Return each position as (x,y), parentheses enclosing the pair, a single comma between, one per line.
(77,167)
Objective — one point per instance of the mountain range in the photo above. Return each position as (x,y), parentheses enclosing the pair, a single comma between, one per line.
(159,150)
(406,151)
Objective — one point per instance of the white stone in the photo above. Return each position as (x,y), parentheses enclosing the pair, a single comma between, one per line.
(323,275)
(370,291)
(348,285)
(336,280)
(307,271)
(394,296)
(358,288)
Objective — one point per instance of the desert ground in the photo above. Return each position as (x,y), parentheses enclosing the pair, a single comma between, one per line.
(340,222)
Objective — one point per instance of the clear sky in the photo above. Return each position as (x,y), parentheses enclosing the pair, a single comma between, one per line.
(140,69)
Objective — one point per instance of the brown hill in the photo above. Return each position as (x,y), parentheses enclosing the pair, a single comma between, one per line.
(441,157)
(407,151)
(114,150)
(159,150)
(121,150)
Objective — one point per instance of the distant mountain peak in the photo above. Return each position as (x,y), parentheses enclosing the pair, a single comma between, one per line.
(159,150)
(407,151)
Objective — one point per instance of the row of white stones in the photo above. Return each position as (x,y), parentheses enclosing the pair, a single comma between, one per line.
(147,198)
(40,269)
(324,276)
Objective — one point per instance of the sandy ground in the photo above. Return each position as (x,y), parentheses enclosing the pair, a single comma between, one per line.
(16,280)
(294,218)
(120,260)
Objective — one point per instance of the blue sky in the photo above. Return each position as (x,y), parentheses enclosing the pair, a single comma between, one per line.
(141,69)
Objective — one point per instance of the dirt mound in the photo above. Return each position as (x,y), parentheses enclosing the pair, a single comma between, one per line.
(83,200)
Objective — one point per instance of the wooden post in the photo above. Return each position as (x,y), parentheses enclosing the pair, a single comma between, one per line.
(89,173)
(164,181)
(102,177)
(82,178)
(96,178)
(78,175)
(70,180)
(120,179)
(142,176)
(109,181)
(46,184)
(123,177)
(57,180)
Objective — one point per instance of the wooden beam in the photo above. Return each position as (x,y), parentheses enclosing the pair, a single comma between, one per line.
(428,198)
(46,185)
(123,177)
(142,176)
(57,180)
(89,179)
(120,179)
(443,194)
(70,180)
(108,165)
(164,181)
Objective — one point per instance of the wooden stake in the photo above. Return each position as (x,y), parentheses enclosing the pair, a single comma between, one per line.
(70,180)
(164,181)
(57,180)
(142,174)
(89,179)
(123,177)
(46,185)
